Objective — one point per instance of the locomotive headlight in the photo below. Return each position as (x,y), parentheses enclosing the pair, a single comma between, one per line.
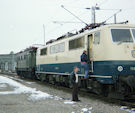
(120,68)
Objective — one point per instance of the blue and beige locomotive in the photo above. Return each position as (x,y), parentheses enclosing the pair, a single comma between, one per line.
(112,50)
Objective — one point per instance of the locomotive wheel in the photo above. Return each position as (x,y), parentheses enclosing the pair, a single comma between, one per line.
(123,88)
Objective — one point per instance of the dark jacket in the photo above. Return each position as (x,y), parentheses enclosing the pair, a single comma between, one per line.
(72,78)
(84,58)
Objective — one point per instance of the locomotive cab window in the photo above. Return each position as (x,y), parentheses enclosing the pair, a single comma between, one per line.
(76,43)
(121,35)
(43,51)
(96,38)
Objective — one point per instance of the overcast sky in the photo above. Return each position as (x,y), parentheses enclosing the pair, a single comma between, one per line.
(21,21)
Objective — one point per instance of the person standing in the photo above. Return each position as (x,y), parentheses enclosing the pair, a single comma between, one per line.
(84,63)
(74,81)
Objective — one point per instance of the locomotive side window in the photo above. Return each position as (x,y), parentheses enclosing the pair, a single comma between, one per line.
(52,49)
(76,43)
(121,35)
(57,48)
(61,47)
(96,38)
(43,51)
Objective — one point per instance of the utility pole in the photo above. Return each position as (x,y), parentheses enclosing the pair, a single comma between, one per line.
(44,32)
(115,19)
(115,16)
(93,13)
(93,18)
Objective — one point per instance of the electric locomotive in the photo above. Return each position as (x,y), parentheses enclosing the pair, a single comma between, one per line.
(26,62)
(112,68)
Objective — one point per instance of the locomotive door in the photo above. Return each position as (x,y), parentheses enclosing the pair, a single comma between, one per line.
(90,52)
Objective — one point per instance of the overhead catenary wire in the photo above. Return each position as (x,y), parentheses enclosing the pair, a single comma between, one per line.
(61,24)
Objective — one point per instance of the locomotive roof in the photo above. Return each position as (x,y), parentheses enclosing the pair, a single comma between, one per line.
(91,30)
(27,49)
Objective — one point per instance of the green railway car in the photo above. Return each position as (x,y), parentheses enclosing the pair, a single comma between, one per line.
(26,62)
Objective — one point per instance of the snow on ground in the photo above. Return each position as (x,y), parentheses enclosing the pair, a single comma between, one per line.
(39,95)
(17,79)
(20,88)
(86,110)
(30,82)
(127,109)
(3,86)
(57,98)
(69,102)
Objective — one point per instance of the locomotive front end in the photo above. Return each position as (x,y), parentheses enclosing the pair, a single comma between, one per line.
(122,55)
(114,58)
